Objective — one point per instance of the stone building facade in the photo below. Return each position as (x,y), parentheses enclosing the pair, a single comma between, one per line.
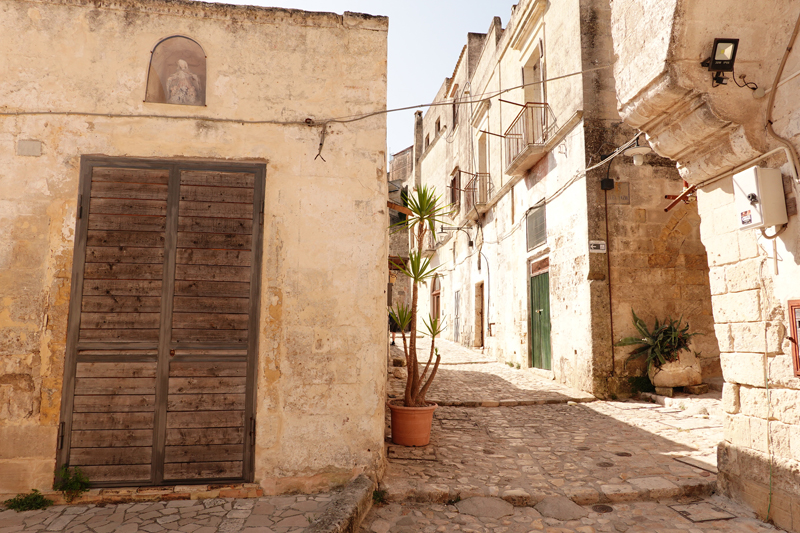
(132,133)
(714,131)
(519,276)
(401,179)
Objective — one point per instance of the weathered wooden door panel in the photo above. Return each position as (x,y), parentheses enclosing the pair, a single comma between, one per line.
(159,377)
(540,321)
(212,292)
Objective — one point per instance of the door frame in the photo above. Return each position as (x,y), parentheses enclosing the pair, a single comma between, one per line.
(534,268)
(436,298)
(480,316)
(63,443)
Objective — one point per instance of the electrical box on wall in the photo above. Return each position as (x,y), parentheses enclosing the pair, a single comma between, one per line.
(759,199)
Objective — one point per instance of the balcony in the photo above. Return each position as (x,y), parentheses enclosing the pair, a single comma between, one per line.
(478,192)
(528,137)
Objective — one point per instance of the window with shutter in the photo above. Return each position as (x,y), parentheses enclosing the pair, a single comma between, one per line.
(537,227)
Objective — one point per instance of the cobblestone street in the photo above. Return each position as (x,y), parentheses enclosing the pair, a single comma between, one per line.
(506,436)
(510,452)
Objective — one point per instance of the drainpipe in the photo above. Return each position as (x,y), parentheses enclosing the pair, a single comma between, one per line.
(610,301)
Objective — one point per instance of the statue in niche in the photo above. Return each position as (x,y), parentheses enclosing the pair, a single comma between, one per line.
(183,87)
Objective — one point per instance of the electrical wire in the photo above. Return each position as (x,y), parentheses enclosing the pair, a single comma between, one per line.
(323,124)
(771,102)
(744,83)
(776,234)
(768,298)
(566,185)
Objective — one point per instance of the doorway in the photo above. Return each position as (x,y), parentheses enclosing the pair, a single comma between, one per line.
(457,317)
(162,335)
(436,298)
(478,339)
(540,356)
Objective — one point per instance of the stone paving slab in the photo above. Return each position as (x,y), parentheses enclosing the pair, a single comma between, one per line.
(700,439)
(468,378)
(588,452)
(452,353)
(271,514)
(492,385)
(638,517)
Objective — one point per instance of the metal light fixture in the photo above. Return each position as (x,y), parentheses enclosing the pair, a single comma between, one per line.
(723,55)
(637,152)
(454,228)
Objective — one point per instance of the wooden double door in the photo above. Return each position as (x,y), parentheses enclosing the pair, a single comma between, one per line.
(162,332)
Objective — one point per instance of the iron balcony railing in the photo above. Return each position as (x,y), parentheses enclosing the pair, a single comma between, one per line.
(469,195)
(530,131)
(478,191)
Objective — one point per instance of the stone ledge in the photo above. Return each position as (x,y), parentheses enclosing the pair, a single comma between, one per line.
(155,494)
(348,508)
(511,403)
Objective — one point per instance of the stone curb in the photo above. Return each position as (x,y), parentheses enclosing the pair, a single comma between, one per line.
(623,492)
(509,403)
(347,509)
(115,496)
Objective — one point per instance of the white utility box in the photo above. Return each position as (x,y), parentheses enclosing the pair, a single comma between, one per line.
(759,199)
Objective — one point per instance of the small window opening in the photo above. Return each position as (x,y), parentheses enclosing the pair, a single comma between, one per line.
(537,227)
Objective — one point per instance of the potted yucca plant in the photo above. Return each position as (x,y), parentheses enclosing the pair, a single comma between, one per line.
(412,417)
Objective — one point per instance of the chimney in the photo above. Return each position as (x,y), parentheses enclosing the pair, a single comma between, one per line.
(417,146)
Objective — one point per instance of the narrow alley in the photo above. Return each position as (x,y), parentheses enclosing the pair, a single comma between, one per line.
(513,452)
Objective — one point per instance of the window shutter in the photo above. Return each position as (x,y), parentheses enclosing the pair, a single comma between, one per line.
(537,227)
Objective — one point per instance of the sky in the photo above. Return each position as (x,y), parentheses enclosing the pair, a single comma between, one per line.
(425,40)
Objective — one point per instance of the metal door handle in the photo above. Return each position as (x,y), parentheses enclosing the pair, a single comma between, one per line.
(539,311)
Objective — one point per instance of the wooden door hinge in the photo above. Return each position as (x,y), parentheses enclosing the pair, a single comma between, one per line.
(61,435)
(80,206)
(252,431)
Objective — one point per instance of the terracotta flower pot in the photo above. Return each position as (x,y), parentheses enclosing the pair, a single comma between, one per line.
(411,426)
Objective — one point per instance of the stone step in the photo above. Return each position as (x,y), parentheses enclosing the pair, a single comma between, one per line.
(154,494)
(652,488)
(506,403)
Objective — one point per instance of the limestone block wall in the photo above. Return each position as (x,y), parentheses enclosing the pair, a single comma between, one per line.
(77,87)
(710,131)
(761,392)
(658,263)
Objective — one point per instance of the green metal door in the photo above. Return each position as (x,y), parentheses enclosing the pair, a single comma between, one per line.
(540,321)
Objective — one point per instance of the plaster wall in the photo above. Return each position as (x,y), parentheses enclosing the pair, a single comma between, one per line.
(708,131)
(657,262)
(321,361)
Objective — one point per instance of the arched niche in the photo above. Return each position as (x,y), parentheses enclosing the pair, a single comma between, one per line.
(177,72)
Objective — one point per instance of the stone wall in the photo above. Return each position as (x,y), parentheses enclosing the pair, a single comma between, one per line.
(401,174)
(77,87)
(710,131)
